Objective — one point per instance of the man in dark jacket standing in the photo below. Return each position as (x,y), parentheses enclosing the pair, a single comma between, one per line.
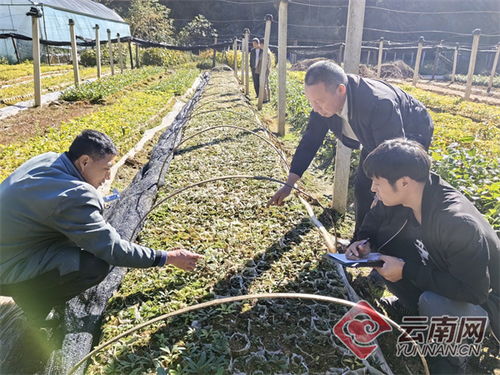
(358,111)
(255,56)
(441,257)
(54,241)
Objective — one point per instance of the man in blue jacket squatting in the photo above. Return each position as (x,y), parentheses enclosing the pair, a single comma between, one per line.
(54,241)
(441,257)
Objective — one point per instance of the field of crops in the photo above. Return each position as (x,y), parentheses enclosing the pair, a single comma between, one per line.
(123,117)
(247,247)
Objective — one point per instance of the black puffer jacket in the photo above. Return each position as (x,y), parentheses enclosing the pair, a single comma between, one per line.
(463,248)
(377,111)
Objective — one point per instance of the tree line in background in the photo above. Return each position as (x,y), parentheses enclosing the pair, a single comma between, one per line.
(151,20)
(324,21)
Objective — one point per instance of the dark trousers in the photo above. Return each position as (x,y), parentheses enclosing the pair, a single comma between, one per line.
(37,296)
(363,196)
(256,82)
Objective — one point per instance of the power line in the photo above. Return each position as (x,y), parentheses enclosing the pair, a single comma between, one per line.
(295,2)
(428,31)
(433,12)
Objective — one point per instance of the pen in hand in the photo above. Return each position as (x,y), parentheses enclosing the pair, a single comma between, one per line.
(355,252)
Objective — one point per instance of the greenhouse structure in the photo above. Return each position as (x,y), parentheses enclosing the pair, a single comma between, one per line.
(55,15)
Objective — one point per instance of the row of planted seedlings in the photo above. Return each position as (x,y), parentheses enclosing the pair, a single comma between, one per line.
(16,82)
(10,73)
(248,248)
(465,147)
(16,92)
(125,104)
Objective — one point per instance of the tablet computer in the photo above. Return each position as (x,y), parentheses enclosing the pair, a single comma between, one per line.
(372,260)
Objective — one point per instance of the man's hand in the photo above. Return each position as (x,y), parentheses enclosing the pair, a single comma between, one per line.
(281,194)
(183,259)
(392,269)
(358,250)
(278,198)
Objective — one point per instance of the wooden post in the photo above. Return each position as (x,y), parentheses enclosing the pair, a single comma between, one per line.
(130,54)
(120,54)
(341,53)
(97,51)
(74,52)
(368,56)
(293,56)
(14,44)
(265,57)
(472,62)
(493,69)
(354,34)
(239,47)
(246,63)
(214,57)
(380,54)
(417,60)
(282,41)
(455,60)
(110,47)
(37,79)
(137,54)
(235,55)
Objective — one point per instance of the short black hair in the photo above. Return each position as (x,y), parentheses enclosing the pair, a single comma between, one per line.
(397,158)
(95,144)
(256,40)
(327,72)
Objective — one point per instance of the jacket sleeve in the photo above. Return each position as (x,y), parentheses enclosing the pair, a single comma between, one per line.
(371,223)
(309,144)
(466,253)
(386,122)
(78,216)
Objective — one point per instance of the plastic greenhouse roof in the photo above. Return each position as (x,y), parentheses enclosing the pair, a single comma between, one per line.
(83,7)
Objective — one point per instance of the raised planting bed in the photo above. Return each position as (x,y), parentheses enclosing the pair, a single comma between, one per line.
(248,248)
